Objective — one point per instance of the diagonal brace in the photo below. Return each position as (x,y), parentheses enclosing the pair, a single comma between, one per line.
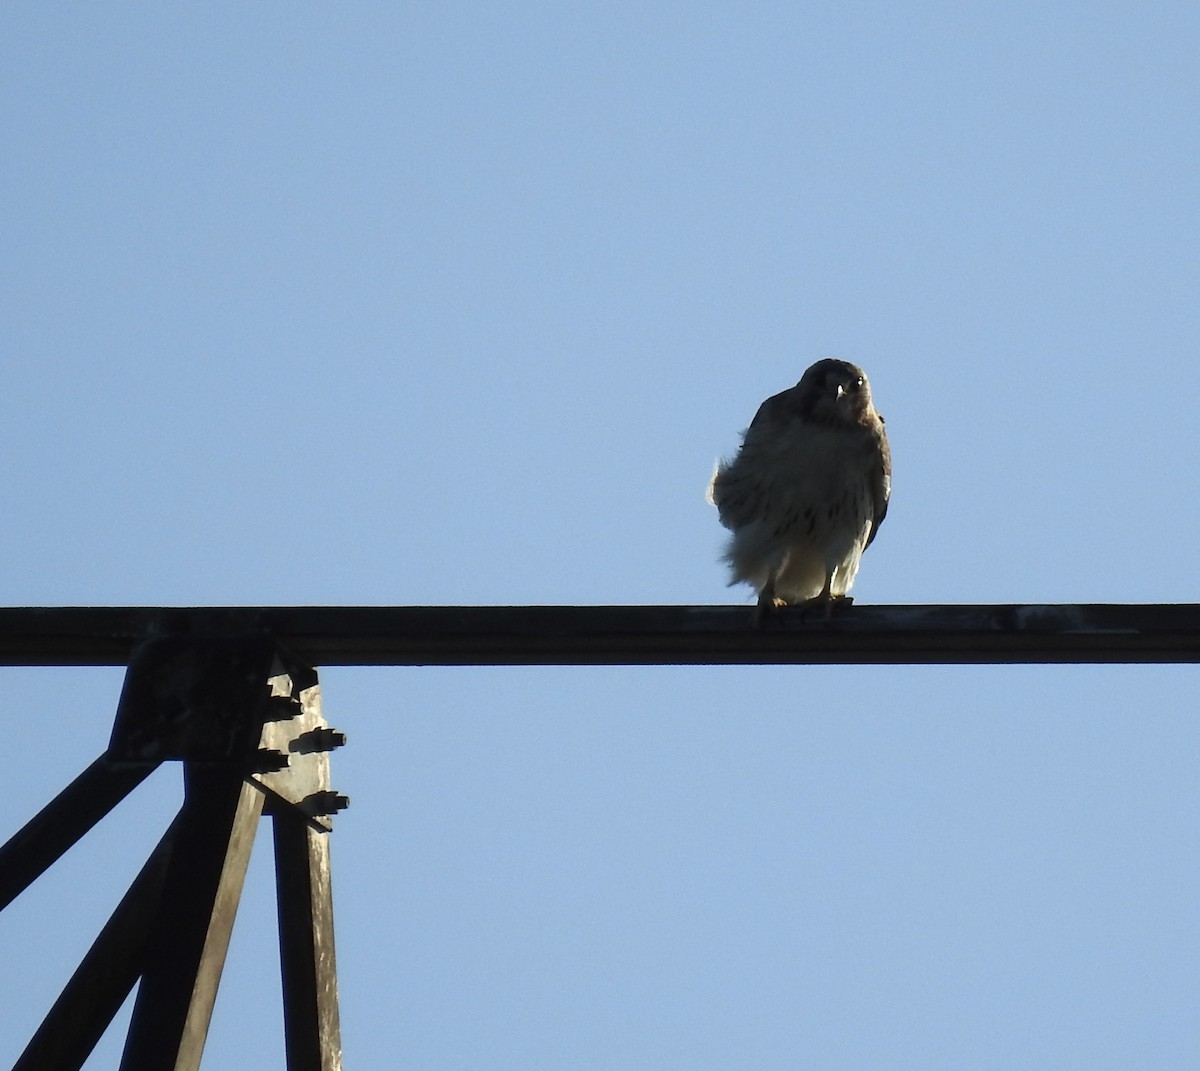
(104,978)
(190,933)
(47,836)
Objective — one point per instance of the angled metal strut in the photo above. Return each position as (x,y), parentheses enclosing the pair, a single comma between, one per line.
(243,718)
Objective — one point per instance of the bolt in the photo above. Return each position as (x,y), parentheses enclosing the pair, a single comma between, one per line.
(281,708)
(269,760)
(326,802)
(322,738)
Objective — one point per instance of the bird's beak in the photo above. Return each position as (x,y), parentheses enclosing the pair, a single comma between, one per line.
(841,391)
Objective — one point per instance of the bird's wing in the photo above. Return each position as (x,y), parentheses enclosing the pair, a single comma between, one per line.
(771,413)
(738,492)
(740,488)
(881,484)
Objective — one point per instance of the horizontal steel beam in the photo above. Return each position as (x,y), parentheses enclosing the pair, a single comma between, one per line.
(622,635)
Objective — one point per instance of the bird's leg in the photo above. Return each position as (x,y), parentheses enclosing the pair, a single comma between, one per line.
(766,602)
(826,596)
(823,601)
(829,600)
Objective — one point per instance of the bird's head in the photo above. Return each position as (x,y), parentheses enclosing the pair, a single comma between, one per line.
(835,391)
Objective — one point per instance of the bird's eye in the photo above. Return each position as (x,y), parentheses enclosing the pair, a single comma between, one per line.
(854,384)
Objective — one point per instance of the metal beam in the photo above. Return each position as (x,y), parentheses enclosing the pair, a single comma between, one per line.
(66,818)
(306,952)
(190,933)
(631,635)
(104,978)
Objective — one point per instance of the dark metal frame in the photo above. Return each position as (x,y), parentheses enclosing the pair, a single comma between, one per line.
(616,635)
(243,717)
(229,692)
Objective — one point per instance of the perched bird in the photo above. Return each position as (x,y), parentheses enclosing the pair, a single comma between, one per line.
(808,489)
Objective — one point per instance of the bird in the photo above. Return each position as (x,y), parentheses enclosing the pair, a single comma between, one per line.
(807,490)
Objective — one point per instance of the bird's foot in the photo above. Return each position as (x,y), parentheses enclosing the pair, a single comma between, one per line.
(826,604)
(766,606)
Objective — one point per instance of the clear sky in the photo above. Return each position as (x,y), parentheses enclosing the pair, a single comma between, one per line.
(458,303)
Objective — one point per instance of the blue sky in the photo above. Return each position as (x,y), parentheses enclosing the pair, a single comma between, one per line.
(458,303)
